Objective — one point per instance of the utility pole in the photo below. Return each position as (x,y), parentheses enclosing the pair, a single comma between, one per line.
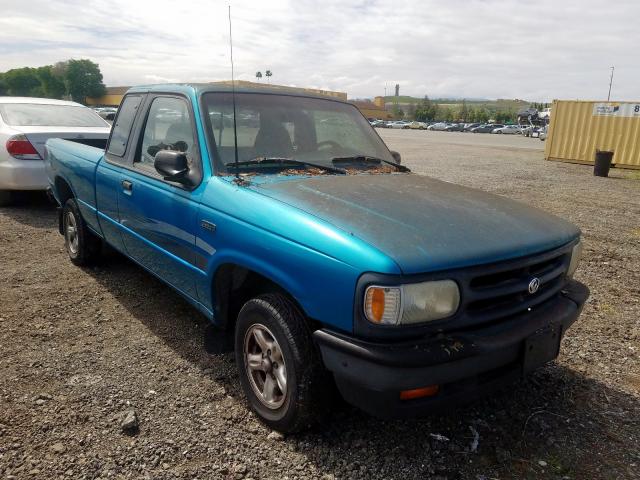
(610,83)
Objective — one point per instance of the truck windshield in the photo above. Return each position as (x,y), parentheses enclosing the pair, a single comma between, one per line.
(284,126)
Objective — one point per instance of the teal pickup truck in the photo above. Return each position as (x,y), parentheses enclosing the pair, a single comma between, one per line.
(288,223)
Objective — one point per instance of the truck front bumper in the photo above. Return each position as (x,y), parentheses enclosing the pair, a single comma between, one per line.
(462,364)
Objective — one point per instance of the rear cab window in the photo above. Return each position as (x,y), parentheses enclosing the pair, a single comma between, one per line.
(122,126)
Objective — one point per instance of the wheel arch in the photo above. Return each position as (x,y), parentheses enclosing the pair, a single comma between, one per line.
(234,284)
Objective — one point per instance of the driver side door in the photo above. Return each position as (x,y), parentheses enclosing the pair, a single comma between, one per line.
(160,216)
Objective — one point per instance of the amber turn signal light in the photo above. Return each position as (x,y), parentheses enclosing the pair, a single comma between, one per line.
(429,391)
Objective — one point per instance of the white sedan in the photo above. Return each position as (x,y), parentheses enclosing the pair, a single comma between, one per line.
(508,130)
(398,124)
(438,126)
(26,124)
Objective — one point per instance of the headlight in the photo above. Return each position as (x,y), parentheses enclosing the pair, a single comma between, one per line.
(411,303)
(575,258)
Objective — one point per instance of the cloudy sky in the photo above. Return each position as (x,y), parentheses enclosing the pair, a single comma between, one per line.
(538,50)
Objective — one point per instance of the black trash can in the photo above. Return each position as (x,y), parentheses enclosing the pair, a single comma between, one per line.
(602,163)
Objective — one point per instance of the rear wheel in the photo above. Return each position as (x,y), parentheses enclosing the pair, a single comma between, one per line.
(280,372)
(82,245)
(5,198)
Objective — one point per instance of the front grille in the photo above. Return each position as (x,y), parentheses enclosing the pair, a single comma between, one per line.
(504,291)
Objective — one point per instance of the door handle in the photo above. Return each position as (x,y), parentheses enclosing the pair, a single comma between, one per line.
(127,185)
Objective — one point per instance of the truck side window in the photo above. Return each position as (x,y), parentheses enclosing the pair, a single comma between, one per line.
(122,126)
(168,127)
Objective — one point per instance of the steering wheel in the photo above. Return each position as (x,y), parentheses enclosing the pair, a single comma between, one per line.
(330,143)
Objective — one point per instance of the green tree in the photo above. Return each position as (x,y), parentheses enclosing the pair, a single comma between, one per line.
(258,75)
(482,115)
(426,111)
(447,114)
(473,115)
(397,111)
(51,84)
(463,112)
(505,116)
(82,79)
(21,82)
(411,111)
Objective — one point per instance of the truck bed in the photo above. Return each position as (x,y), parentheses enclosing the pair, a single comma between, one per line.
(76,163)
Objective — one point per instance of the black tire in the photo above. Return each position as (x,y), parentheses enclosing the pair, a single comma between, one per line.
(307,382)
(6,198)
(82,246)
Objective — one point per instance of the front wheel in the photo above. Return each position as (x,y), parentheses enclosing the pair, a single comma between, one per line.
(82,245)
(280,372)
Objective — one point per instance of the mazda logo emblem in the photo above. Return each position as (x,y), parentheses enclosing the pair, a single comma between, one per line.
(534,285)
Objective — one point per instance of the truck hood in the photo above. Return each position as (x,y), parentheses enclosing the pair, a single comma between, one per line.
(424,224)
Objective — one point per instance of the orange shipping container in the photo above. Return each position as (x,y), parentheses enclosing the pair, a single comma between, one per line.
(579,128)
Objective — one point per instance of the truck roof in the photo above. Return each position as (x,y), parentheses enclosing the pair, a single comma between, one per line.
(199,88)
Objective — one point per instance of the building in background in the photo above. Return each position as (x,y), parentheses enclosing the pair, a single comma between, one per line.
(114,95)
(112,98)
(375,109)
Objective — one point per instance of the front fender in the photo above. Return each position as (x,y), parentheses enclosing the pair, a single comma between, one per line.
(316,263)
(323,287)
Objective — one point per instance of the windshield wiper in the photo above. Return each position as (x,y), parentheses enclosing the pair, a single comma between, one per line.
(369,160)
(284,162)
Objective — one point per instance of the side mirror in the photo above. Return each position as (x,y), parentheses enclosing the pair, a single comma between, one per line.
(396,156)
(173,166)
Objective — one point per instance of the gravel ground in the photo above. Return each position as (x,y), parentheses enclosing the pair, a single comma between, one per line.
(81,351)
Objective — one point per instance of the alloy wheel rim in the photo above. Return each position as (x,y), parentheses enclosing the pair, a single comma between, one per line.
(71,232)
(265,366)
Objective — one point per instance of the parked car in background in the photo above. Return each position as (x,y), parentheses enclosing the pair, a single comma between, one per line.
(440,126)
(108,113)
(507,130)
(396,124)
(469,126)
(416,125)
(26,124)
(486,128)
(454,127)
(526,130)
(407,308)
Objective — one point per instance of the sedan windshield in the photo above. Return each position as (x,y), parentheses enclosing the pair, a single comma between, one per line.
(47,115)
(304,129)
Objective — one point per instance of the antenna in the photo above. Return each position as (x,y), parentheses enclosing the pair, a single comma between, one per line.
(610,83)
(233,100)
